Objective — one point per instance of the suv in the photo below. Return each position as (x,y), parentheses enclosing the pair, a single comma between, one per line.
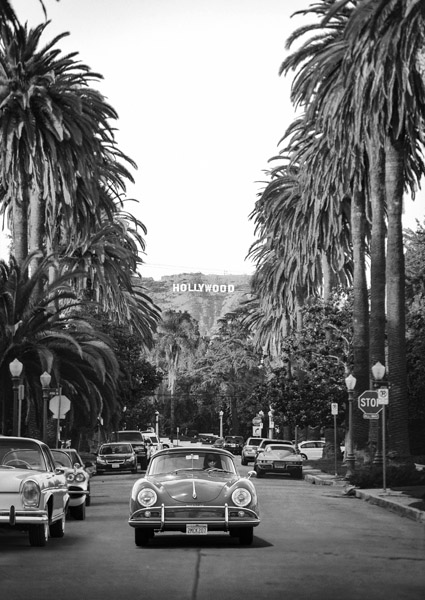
(233,443)
(249,450)
(136,439)
(153,443)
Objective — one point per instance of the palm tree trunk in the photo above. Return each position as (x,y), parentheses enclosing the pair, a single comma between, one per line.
(360,315)
(377,323)
(398,438)
(20,229)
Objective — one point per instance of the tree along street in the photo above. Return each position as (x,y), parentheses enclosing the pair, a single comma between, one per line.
(313,542)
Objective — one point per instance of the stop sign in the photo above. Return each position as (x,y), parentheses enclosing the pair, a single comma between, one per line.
(368,402)
(59,405)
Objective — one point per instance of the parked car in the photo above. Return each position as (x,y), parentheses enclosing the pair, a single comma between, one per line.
(233,443)
(115,457)
(77,459)
(311,449)
(207,438)
(265,441)
(78,481)
(136,439)
(278,458)
(153,443)
(249,450)
(219,443)
(181,491)
(33,491)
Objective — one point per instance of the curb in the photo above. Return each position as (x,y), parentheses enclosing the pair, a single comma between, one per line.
(390,500)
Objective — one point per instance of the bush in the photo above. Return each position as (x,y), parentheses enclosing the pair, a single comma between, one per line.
(397,475)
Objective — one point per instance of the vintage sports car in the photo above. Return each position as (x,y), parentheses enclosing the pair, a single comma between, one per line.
(195,491)
(116,457)
(78,481)
(233,443)
(278,458)
(33,491)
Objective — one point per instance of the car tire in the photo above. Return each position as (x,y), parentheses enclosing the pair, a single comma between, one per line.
(144,464)
(298,474)
(38,535)
(142,536)
(246,535)
(57,529)
(134,470)
(260,472)
(88,497)
(243,461)
(78,512)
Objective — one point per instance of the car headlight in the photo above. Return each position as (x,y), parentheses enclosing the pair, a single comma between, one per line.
(31,493)
(147,497)
(70,477)
(241,497)
(80,477)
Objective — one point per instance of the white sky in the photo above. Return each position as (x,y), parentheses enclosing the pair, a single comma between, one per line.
(201,111)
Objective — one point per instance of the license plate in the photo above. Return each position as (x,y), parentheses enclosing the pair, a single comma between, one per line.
(279,466)
(115,466)
(197,529)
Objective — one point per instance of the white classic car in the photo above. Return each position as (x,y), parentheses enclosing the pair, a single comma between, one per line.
(278,458)
(33,491)
(78,481)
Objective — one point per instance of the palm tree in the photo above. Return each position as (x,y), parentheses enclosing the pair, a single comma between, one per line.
(176,341)
(57,340)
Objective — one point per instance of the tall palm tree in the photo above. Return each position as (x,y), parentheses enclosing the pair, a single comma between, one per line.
(57,340)
(176,341)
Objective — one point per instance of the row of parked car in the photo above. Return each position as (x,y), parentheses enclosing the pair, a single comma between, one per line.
(40,486)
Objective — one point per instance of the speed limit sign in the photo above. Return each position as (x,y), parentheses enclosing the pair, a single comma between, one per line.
(334,408)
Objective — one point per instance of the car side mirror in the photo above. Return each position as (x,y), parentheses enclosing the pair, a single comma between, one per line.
(252,474)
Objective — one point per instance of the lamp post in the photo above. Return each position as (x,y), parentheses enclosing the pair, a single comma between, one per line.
(350,382)
(378,373)
(15,369)
(157,423)
(45,379)
(220,414)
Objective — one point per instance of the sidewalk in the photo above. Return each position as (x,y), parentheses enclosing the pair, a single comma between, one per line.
(406,501)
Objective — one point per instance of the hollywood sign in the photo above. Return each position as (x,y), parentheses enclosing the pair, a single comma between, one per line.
(203,287)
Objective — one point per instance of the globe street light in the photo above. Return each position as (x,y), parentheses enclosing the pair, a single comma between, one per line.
(45,379)
(220,414)
(350,382)
(378,373)
(15,369)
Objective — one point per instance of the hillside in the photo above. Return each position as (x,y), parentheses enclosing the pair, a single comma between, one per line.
(205,297)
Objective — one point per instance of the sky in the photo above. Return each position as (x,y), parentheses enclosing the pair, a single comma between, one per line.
(201,111)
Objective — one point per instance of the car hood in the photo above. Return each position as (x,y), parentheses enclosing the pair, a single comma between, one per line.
(11,479)
(202,488)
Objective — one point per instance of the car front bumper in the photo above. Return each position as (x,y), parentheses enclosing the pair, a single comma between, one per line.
(14,517)
(175,518)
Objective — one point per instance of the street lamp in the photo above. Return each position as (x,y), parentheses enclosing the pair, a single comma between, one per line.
(350,382)
(220,414)
(45,379)
(378,373)
(157,423)
(15,368)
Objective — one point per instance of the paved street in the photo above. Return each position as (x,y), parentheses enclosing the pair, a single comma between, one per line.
(313,542)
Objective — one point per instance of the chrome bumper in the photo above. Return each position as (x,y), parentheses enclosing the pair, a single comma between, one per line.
(14,517)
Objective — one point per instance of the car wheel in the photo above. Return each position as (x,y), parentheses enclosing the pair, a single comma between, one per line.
(304,456)
(38,534)
(260,472)
(134,470)
(88,497)
(144,464)
(78,512)
(246,535)
(57,529)
(243,461)
(142,536)
(298,474)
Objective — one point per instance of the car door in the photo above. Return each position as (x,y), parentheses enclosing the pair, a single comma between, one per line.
(56,484)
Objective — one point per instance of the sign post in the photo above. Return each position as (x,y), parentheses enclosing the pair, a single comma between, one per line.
(334,412)
(59,405)
(257,426)
(383,401)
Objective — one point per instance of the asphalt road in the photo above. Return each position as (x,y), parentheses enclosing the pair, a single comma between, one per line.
(313,543)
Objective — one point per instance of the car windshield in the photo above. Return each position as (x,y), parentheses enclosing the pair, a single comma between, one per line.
(21,454)
(280,448)
(62,459)
(188,461)
(253,442)
(130,436)
(116,449)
